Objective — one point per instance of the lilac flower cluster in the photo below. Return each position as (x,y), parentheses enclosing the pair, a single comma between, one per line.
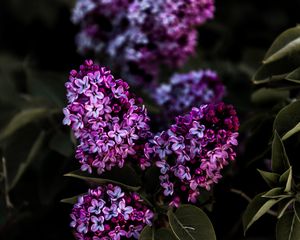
(192,152)
(108,213)
(187,90)
(108,121)
(141,35)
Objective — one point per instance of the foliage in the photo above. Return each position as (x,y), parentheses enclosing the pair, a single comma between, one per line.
(283,177)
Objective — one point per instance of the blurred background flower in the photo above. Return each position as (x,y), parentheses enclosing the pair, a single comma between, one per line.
(188,90)
(140,36)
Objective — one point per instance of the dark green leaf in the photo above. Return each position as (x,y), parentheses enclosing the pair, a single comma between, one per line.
(289,182)
(274,72)
(288,227)
(293,131)
(62,144)
(274,193)
(270,178)
(71,200)
(21,119)
(285,44)
(191,223)
(287,118)
(283,205)
(286,179)
(149,233)
(297,209)
(294,76)
(257,208)
(125,177)
(280,160)
(269,95)
(47,85)
(35,149)
(164,234)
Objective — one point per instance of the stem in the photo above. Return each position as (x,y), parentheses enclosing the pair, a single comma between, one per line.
(242,194)
(6,188)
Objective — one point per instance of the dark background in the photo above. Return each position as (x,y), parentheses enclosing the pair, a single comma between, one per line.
(38,35)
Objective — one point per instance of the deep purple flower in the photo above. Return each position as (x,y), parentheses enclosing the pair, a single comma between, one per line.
(117,233)
(120,218)
(98,223)
(125,211)
(115,193)
(108,121)
(96,206)
(134,231)
(110,212)
(200,144)
(141,35)
(187,90)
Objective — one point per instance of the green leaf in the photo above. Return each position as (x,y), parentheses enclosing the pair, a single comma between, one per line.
(149,233)
(47,85)
(35,149)
(269,95)
(280,160)
(71,200)
(270,178)
(289,182)
(288,227)
(287,118)
(286,179)
(282,40)
(125,177)
(294,76)
(191,223)
(281,59)
(274,72)
(285,44)
(21,119)
(284,205)
(257,208)
(62,144)
(293,131)
(164,234)
(296,208)
(291,48)
(274,193)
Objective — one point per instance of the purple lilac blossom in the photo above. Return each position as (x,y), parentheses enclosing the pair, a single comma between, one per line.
(194,150)
(141,35)
(187,90)
(108,212)
(109,122)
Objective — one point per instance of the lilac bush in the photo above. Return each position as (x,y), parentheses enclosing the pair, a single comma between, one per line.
(193,151)
(107,212)
(141,35)
(112,128)
(109,122)
(187,90)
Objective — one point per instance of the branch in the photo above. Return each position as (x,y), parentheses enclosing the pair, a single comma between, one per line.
(242,194)
(5,179)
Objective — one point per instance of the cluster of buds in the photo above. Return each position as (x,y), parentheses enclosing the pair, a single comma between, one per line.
(192,152)
(108,121)
(187,90)
(109,213)
(141,35)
